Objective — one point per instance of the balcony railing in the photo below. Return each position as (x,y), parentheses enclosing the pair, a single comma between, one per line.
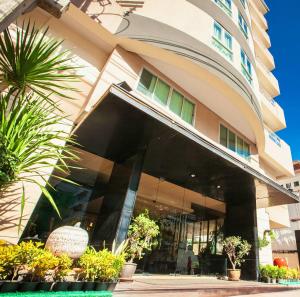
(222,48)
(223,6)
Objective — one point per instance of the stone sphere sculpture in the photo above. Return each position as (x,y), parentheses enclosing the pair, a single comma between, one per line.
(70,240)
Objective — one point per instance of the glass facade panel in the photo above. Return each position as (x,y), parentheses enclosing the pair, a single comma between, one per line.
(147,83)
(176,103)
(246,150)
(239,146)
(231,141)
(223,135)
(161,92)
(188,111)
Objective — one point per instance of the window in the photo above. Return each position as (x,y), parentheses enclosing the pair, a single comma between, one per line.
(296,184)
(160,91)
(288,186)
(235,143)
(222,40)
(225,5)
(243,3)
(246,66)
(243,25)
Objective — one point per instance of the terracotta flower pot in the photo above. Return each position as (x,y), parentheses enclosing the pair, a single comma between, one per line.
(128,271)
(234,274)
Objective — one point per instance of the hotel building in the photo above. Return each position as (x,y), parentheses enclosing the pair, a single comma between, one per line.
(175,113)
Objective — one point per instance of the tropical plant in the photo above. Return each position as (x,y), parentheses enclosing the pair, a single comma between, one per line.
(102,265)
(63,267)
(34,62)
(236,249)
(141,237)
(41,264)
(32,70)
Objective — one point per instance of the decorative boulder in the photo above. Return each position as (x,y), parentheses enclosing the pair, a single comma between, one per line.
(70,240)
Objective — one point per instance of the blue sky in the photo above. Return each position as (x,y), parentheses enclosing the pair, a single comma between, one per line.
(284,32)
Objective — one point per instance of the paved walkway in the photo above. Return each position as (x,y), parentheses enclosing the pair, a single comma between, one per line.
(191,286)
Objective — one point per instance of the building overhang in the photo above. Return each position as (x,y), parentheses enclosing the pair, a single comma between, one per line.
(120,125)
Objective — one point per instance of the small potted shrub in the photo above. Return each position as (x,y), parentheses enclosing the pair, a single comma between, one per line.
(282,273)
(61,270)
(141,237)
(273,273)
(100,270)
(236,249)
(38,268)
(263,273)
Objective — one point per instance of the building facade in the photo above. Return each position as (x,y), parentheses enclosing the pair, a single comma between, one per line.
(287,242)
(175,113)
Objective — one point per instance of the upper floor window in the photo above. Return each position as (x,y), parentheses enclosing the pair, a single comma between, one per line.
(225,5)
(244,3)
(152,86)
(246,66)
(296,183)
(235,143)
(288,186)
(222,40)
(243,25)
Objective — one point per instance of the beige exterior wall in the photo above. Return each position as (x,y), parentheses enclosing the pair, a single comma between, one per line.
(220,98)
(292,259)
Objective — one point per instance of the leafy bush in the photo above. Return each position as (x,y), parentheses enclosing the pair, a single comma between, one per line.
(236,249)
(142,236)
(41,264)
(63,267)
(101,266)
(282,272)
(8,262)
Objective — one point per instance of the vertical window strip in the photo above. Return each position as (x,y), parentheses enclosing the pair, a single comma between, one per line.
(155,88)
(243,25)
(222,40)
(233,142)
(246,66)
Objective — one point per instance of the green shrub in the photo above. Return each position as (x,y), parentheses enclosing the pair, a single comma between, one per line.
(8,262)
(236,249)
(142,235)
(282,272)
(63,267)
(101,266)
(41,264)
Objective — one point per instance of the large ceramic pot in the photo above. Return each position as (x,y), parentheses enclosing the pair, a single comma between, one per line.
(234,274)
(128,271)
(70,240)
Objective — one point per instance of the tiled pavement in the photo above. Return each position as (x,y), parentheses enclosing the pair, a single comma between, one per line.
(191,286)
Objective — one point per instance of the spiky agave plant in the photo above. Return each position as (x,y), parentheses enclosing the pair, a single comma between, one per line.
(32,69)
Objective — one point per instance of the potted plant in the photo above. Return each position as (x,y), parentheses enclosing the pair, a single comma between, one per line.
(236,249)
(141,237)
(273,273)
(282,273)
(38,269)
(100,270)
(61,270)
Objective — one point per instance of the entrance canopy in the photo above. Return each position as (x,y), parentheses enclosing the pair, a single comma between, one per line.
(121,126)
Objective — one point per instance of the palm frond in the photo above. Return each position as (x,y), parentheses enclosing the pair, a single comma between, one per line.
(33,61)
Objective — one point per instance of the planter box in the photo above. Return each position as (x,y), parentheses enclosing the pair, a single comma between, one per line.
(58,294)
(59,287)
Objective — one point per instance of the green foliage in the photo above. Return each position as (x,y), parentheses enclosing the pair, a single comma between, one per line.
(282,272)
(101,266)
(265,241)
(142,236)
(63,267)
(41,264)
(272,271)
(32,69)
(13,258)
(236,249)
(34,62)
(8,261)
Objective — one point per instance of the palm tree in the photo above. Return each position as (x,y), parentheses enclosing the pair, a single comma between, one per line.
(32,71)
